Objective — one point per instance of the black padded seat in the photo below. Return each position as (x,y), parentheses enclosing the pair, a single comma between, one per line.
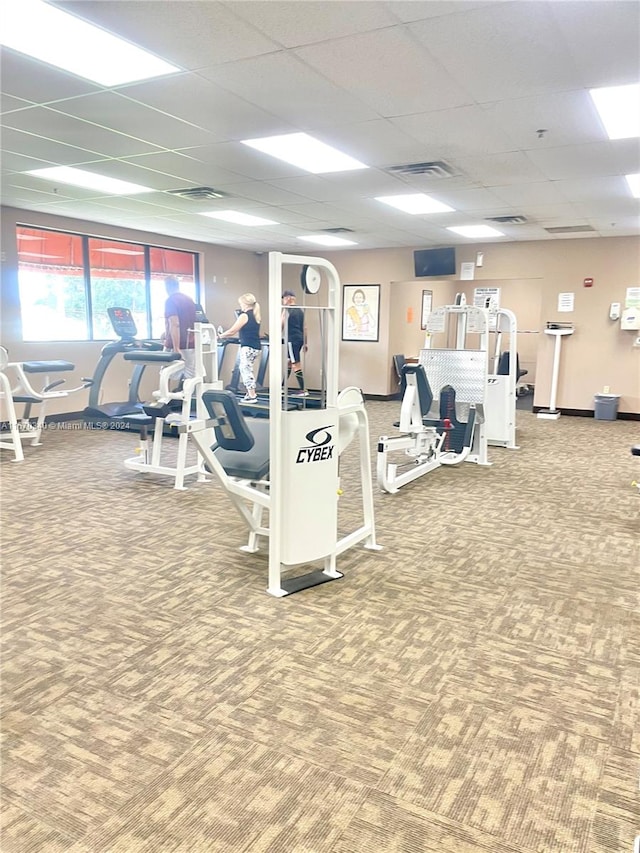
(242,448)
(635,450)
(47,366)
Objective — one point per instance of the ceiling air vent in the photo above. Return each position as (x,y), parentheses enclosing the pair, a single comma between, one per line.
(569,229)
(433,169)
(507,220)
(338,230)
(198,193)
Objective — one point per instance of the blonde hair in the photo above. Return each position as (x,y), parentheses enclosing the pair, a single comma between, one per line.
(252,303)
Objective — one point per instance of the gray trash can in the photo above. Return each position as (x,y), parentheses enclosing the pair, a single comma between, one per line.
(606,407)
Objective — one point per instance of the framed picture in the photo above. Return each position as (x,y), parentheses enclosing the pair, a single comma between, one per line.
(360,312)
(427,304)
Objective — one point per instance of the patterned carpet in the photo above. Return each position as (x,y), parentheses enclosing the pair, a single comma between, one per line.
(472,688)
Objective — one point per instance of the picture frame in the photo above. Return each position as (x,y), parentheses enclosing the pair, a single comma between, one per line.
(361,312)
(426,308)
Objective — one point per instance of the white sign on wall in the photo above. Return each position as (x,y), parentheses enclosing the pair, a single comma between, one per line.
(565,302)
(467,271)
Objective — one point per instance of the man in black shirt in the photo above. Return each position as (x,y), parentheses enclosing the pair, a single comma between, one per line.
(296,334)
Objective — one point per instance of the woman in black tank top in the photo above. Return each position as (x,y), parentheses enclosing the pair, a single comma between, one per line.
(247,328)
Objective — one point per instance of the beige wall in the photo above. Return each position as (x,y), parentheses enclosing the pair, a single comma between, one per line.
(530,275)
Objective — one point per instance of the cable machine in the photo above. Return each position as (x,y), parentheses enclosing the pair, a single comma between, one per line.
(289,465)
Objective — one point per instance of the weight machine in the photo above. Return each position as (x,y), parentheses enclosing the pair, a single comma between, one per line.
(163,412)
(16,387)
(288,465)
(454,382)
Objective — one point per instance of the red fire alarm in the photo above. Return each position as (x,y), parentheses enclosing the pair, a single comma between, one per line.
(588,282)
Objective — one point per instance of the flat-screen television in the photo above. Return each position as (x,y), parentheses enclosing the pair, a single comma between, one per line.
(434,262)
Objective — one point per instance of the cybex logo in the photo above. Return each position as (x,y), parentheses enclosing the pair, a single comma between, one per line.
(320,446)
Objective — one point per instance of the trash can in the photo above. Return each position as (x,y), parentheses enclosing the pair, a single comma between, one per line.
(606,407)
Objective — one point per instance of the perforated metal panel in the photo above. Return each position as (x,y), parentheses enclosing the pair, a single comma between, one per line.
(465,370)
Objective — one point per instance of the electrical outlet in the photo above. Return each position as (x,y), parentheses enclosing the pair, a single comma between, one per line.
(606,389)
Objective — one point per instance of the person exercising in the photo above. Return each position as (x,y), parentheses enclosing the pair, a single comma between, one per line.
(180,319)
(247,328)
(294,323)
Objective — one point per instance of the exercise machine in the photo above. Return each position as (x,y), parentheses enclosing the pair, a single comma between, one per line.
(171,408)
(425,442)
(124,326)
(16,378)
(288,465)
(464,366)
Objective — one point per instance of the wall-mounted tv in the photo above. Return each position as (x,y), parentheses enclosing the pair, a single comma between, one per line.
(434,262)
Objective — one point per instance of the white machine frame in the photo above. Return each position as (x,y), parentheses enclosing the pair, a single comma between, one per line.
(500,411)
(15,383)
(423,443)
(467,370)
(149,458)
(303,489)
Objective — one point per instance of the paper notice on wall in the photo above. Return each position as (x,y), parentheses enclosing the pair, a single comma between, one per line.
(486,297)
(565,302)
(632,299)
(436,321)
(467,271)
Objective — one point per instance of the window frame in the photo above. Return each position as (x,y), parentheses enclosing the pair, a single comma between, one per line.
(85,239)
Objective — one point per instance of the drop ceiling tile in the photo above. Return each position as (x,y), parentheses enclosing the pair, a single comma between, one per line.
(190,33)
(472,199)
(543,192)
(503,50)
(46,122)
(12,162)
(419,10)
(369,67)
(49,150)
(603,40)
(194,99)
(500,169)
(38,82)
(294,24)
(243,161)
(567,118)
(290,90)
(595,159)
(185,169)
(380,142)
(111,110)
(262,191)
(8,103)
(445,133)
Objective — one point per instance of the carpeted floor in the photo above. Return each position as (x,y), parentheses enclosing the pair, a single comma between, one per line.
(472,688)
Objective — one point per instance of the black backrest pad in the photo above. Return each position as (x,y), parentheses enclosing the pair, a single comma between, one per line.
(425,394)
(232,432)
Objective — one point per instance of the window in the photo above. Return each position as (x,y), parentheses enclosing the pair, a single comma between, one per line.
(67,281)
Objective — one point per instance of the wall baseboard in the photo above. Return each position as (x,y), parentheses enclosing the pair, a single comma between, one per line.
(589,413)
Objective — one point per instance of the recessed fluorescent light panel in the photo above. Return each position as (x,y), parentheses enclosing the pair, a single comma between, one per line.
(88,180)
(634,184)
(326,240)
(304,151)
(619,109)
(239,218)
(476,231)
(59,38)
(415,203)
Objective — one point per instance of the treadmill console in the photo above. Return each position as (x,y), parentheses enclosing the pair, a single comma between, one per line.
(123,323)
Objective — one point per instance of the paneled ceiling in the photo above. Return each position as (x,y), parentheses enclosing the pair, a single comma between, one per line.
(495,91)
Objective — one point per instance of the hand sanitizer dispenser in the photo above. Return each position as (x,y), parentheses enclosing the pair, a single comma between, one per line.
(630,319)
(614,311)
